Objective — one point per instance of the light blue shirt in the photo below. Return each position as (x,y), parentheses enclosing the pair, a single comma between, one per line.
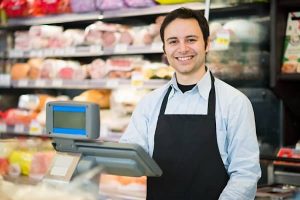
(236,132)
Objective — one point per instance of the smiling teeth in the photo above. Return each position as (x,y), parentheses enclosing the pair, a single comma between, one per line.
(184,58)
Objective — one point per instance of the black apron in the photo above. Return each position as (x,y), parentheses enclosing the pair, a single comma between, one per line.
(186,149)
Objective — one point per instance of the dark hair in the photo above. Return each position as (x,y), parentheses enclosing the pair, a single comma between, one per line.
(186,13)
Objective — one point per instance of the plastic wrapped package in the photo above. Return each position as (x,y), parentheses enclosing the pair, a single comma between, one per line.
(110,4)
(176,1)
(139,3)
(74,37)
(247,31)
(35,68)
(81,6)
(19,71)
(115,187)
(157,71)
(40,164)
(97,69)
(100,97)
(240,61)
(22,40)
(241,55)
(15,116)
(45,7)
(6,147)
(15,8)
(123,101)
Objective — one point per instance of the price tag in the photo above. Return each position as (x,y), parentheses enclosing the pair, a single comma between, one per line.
(57,83)
(16,53)
(19,128)
(40,83)
(33,53)
(120,48)
(5,80)
(70,51)
(23,83)
(3,128)
(59,52)
(96,49)
(112,83)
(222,41)
(137,79)
(157,46)
(35,128)
(48,52)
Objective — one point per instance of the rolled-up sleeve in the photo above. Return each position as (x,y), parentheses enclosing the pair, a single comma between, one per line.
(136,132)
(243,152)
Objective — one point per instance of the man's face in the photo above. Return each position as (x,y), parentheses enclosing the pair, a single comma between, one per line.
(184,46)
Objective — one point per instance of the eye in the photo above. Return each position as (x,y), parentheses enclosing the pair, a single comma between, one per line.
(172,42)
(191,40)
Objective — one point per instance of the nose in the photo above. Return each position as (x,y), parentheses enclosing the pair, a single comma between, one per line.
(183,47)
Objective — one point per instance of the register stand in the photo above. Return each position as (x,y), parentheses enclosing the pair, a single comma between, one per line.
(75,127)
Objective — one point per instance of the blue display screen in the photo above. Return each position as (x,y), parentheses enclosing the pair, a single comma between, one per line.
(69,120)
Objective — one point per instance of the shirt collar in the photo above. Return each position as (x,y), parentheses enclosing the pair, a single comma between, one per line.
(203,85)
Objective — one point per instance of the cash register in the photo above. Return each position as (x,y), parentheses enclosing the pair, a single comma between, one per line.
(75,129)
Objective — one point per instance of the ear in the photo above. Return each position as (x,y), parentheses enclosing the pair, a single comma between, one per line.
(207,45)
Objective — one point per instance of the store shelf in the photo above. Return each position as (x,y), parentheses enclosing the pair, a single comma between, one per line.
(290,77)
(86,51)
(86,84)
(159,9)
(52,19)
(15,23)
(289,3)
(21,130)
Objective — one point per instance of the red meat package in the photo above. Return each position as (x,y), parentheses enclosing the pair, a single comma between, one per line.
(15,8)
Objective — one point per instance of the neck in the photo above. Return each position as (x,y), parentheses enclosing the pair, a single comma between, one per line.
(190,79)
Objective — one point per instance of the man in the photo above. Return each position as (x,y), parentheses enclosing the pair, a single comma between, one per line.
(199,130)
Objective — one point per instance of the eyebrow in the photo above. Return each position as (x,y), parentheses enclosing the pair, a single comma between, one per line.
(189,36)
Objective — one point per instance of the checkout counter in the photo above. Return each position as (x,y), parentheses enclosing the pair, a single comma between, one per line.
(74,127)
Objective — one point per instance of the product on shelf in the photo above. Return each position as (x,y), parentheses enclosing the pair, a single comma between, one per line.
(19,71)
(82,6)
(139,3)
(122,185)
(110,4)
(291,58)
(177,1)
(35,68)
(15,8)
(96,69)
(100,97)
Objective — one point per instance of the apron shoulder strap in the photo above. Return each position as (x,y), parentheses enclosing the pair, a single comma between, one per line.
(164,103)
(212,98)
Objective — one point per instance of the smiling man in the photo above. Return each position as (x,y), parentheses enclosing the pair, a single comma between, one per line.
(200,130)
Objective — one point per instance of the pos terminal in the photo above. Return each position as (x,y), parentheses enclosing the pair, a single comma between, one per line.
(75,127)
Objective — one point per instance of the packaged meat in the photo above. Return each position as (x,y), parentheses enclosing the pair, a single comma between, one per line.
(110,4)
(244,30)
(47,7)
(176,1)
(74,37)
(15,8)
(46,31)
(22,40)
(29,101)
(139,3)
(18,116)
(97,69)
(82,6)
(40,164)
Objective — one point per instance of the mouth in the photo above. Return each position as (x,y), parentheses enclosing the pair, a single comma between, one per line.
(184,58)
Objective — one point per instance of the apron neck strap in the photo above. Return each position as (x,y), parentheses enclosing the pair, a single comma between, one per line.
(211,99)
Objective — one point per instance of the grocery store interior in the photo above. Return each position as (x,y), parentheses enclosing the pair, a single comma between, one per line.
(109,52)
